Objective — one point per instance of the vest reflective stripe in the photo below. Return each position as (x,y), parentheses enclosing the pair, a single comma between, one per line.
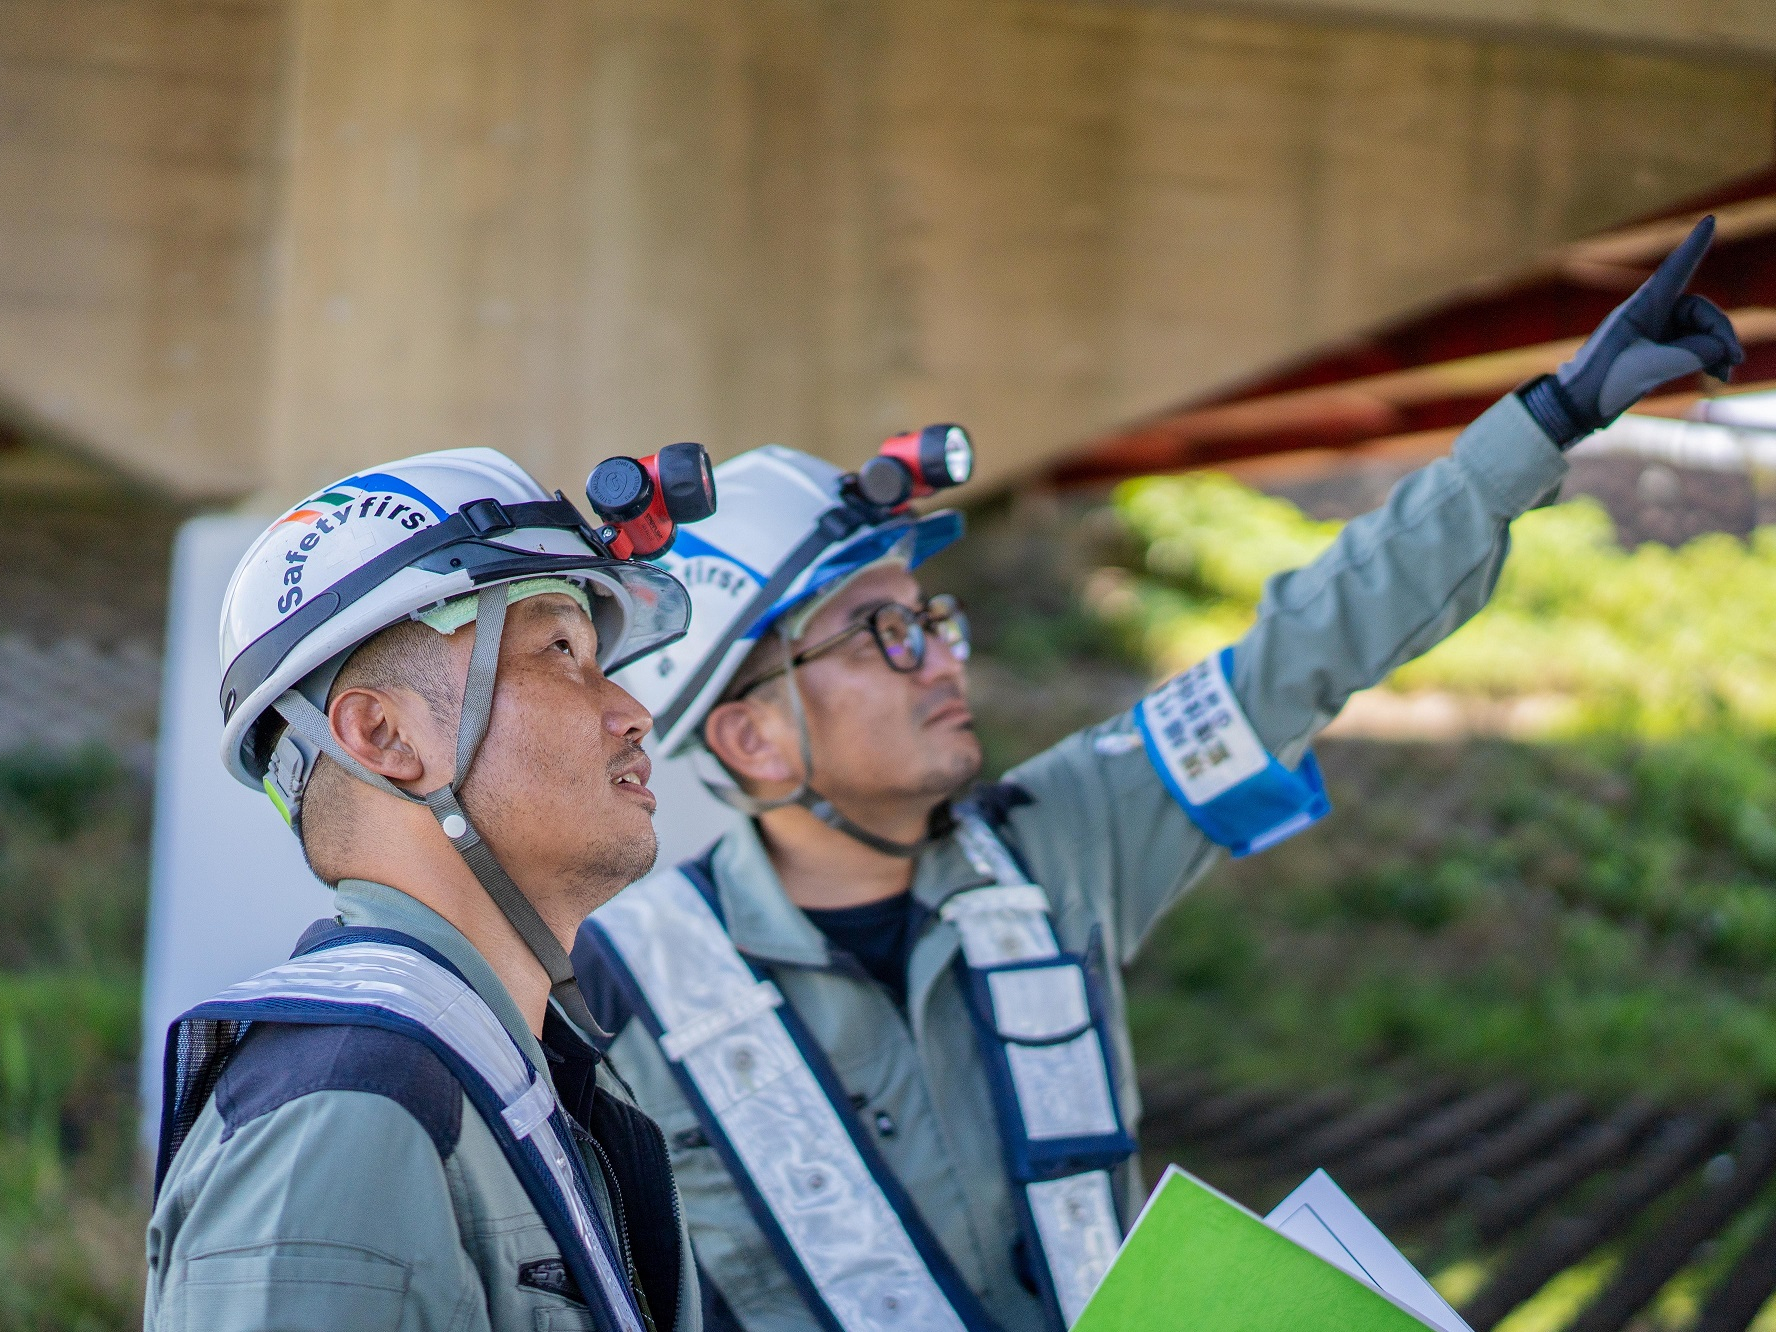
(1059,1072)
(770,1114)
(1076,1215)
(400,988)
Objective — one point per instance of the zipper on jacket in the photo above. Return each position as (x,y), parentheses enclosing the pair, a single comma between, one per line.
(678,1224)
(621,1217)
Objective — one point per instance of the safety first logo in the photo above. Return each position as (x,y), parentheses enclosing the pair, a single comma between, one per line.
(361,516)
(720,589)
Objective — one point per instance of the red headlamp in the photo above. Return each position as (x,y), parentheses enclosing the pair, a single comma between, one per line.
(917,464)
(645,499)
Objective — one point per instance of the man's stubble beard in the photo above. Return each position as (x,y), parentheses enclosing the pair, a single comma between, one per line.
(598,869)
(946,785)
(612,866)
(951,779)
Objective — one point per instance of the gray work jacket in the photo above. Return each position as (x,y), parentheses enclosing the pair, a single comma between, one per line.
(1113,851)
(364,1191)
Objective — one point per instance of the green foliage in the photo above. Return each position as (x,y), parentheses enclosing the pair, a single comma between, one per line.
(57,792)
(72,866)
(1654,640)
(70,1222)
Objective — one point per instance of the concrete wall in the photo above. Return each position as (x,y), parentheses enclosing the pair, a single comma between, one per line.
(571,227)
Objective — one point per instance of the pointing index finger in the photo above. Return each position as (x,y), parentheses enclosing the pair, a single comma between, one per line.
(1659,293)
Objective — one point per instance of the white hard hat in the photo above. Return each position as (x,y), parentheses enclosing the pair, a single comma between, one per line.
(787,530)
(394,544)
(378,548)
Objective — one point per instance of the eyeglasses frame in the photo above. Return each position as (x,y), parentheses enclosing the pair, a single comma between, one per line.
(922,616)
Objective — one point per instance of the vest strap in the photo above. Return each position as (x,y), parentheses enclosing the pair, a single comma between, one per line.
(1045,1043)
(769,1102)
(380,983)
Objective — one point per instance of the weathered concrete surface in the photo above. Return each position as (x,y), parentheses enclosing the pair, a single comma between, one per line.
(138,180)
(570,227)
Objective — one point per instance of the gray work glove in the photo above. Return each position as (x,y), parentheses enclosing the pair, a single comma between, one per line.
(1658,334)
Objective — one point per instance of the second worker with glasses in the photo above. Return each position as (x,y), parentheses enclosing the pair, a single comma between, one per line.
(882,1022)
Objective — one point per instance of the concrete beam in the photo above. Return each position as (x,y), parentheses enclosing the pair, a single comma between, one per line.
(138,181)
(1729,30)
(247,246)
(570,229)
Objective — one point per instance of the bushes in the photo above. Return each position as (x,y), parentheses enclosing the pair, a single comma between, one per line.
(1590,915)
(1654,641)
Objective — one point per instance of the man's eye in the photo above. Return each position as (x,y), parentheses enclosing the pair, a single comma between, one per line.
(564,645)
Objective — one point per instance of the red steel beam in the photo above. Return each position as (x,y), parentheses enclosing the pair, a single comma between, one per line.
(1435,372)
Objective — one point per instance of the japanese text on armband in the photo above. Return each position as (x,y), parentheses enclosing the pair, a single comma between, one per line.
(1206,752)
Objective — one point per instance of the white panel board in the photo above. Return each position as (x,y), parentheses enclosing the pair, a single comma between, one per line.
(228,890)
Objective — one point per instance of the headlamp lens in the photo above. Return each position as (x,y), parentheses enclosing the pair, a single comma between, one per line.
(958,456)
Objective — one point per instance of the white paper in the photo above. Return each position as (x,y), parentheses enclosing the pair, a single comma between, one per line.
(1321,1219)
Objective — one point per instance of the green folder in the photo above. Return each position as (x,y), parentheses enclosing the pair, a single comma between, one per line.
(1197,1261)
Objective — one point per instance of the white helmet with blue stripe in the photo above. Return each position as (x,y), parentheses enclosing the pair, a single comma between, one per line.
(790,527)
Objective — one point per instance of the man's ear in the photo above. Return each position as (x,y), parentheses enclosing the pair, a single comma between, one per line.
(384,729)
(750,744)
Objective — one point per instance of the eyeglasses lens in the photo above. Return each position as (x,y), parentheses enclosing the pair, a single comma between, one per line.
(945,617)
(901,636)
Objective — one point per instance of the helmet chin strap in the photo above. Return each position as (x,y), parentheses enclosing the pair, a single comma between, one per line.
(311,724)
(816,804)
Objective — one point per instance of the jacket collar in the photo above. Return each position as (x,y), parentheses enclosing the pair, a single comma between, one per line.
(761,920)
(764,924)
(360,902)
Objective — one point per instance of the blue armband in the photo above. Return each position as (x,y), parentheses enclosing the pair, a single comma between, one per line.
(1212,761)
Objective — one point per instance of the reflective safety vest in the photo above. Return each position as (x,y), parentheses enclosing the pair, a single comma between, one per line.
(381,978)
(771,1104)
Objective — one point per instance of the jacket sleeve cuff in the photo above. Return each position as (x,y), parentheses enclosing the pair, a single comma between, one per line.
(1509,458)
(1553,409)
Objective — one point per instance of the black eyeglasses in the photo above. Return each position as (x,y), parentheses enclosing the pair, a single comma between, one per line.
(900,632)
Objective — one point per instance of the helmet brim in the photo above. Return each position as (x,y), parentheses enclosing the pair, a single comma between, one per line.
(929,535)
(643,609)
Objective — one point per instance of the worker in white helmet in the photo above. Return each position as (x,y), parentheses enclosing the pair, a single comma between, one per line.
(882,1023)
(406,1126)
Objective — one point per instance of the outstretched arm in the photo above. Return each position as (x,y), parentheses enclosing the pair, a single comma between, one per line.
(1107,822)
(1110,819)
(1395,582)
(1399,580)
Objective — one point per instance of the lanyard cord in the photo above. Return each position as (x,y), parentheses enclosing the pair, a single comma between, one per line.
(805,795)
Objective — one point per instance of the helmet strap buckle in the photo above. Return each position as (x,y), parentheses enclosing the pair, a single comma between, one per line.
(487,517)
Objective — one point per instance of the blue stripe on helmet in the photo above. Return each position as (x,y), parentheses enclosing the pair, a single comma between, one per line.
(688,545)
(930,534)
(383,481)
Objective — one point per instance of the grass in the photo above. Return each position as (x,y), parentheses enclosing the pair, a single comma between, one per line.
(1574,916)
(72,892)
